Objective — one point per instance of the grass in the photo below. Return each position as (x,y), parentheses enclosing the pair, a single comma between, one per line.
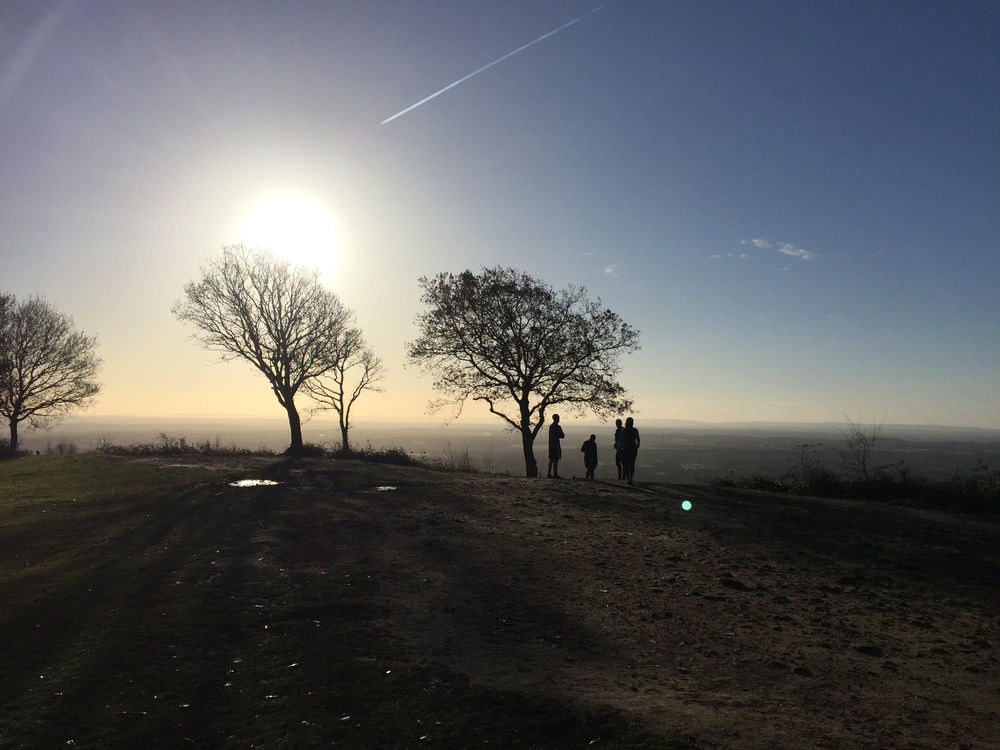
(151,604)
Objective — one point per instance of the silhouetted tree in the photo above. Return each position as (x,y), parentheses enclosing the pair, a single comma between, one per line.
(520,346)
(47,368)
(7,303)
(250,305)
(357,370)
(860,445)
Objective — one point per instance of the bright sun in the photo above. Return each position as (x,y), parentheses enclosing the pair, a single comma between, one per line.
(293,228)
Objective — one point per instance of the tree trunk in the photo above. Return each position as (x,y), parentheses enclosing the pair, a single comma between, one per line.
(527,442)
(344,445)
(13,436)
(295,426)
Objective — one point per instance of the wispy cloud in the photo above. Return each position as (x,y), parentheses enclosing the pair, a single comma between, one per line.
(612,270)
(787,248)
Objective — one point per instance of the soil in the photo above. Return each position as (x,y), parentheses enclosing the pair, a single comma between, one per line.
(360,605)
(749,621)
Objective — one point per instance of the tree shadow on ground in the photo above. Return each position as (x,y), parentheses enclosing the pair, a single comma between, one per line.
(223,616)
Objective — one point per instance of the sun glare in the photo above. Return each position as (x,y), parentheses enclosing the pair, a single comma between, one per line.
(293,228)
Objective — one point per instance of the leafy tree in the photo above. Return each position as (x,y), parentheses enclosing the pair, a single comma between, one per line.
(250,305)
(356,370)
(47,367)
(521,347)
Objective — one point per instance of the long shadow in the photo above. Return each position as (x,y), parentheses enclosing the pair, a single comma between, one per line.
(141,615)
(227,617)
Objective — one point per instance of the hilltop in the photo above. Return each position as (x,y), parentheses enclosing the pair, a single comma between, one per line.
(364,605)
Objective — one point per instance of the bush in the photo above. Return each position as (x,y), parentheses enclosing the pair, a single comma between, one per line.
(168,445)
(977,491)
(758,482)
(311,450)
(395,456)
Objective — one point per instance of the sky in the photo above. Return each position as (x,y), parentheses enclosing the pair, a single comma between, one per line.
(796,203)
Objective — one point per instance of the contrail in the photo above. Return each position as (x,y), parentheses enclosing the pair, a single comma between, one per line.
(490,65)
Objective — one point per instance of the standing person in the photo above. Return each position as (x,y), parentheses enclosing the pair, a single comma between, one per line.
(555,449)
(628,441)
(590,456)
(618,447)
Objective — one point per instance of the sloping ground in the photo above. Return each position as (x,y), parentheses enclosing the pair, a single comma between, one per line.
(372,606)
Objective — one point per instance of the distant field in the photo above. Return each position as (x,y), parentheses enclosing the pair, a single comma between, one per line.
(676,454)
(151,603)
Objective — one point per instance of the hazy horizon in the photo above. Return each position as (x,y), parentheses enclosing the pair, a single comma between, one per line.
(494,422)
(687,453)
(795,204)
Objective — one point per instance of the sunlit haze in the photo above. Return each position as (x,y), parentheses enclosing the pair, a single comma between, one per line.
(795,203)
(293,228)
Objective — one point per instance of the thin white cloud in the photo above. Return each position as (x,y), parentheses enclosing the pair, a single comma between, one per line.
(787,248)
(612,270)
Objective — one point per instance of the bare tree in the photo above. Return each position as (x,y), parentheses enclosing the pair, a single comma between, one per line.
(47,367)
(356,370)
(860,445)
(521,347)
(249,305)
(7,304)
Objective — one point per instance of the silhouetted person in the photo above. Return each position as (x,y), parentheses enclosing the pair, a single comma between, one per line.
(628,441)
(555,449)
(590,456)
(618,448)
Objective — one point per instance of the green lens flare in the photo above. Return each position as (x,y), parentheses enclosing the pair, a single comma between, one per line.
(686,505)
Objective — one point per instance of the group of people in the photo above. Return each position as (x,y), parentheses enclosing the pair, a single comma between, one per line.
(626,449)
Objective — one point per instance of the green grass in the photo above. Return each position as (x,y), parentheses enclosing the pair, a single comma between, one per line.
(153,605)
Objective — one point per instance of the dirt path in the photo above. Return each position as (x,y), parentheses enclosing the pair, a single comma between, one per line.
(749,621)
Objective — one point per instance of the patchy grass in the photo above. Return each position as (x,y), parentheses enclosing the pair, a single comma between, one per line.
(148,603)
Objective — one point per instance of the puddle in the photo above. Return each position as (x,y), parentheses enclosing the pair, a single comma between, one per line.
(254,483)
(386,488)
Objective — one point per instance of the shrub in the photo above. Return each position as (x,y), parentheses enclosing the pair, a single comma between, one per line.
(311,450)
(977,491)
(396,456)
(167,445)
(755,482)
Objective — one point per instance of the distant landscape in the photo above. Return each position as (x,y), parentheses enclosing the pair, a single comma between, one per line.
(672,451)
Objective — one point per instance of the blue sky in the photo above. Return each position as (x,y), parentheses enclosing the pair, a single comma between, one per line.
(796,203)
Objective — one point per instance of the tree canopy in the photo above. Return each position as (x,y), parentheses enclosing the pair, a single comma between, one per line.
(47,367)
(521,347)
(249,305)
